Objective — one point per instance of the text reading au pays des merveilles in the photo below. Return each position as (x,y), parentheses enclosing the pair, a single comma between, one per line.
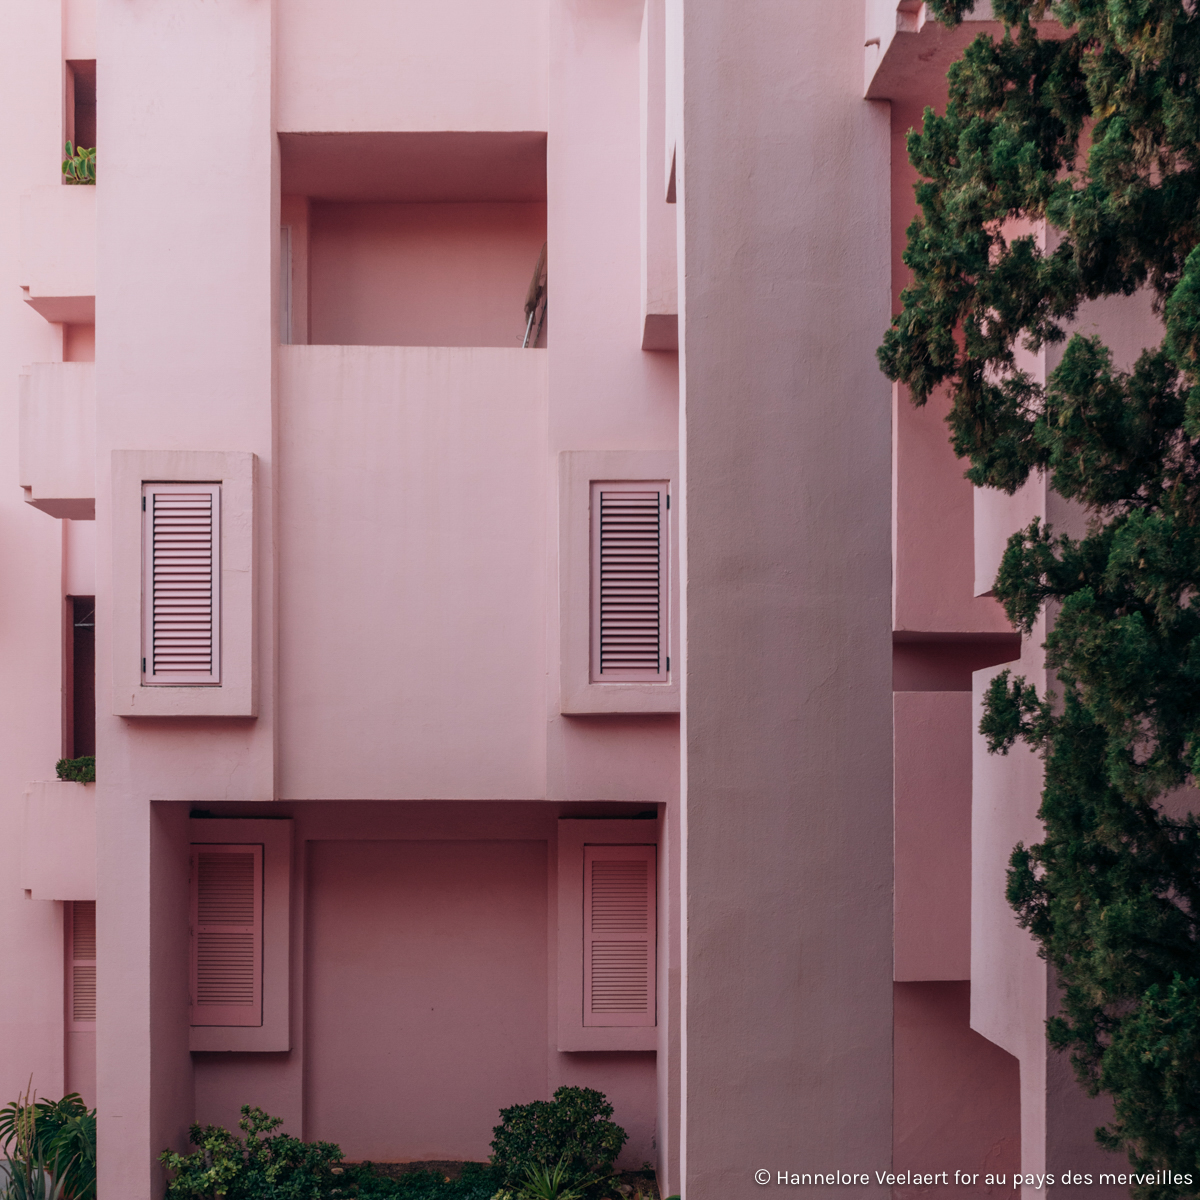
(934,1179)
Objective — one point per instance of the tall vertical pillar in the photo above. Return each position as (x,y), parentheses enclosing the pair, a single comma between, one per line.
(782,176)
(187,238)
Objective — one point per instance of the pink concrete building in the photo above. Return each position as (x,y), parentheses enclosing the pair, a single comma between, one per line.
(406,631)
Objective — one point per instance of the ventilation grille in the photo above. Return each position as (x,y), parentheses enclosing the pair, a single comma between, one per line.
(227,915)
(620,970)
(620,979)
(182,573)
(225,968)
(83,992)
(225,889)
(619,897)
(83,929)
(629,582)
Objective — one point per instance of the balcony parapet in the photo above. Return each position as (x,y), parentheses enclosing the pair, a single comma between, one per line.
(57,451)
(908,53)
(58,860)
(58,253)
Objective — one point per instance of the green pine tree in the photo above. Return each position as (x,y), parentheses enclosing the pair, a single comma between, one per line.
(1098,134)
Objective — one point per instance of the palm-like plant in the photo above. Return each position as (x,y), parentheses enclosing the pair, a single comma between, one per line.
(50,1146)
(543,1182)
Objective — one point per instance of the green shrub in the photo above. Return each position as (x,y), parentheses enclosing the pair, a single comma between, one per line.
(363,1182)
(51,1148)
(78,770)
(259,1167)
(79,165)
(573,1130)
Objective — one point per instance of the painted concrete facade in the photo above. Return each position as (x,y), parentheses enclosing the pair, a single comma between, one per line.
(302,276)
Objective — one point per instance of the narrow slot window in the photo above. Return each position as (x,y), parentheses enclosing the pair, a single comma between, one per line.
(285,285)
(80,689)
(81,102)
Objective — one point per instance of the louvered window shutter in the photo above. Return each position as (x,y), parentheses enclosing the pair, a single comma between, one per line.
(181,594)
(629,582)
(619,935)
(81,975)
(226,943)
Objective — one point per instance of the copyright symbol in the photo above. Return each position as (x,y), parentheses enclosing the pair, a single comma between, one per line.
(762,1175)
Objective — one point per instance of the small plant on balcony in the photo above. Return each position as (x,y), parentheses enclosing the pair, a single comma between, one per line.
(77,770)
(79,164)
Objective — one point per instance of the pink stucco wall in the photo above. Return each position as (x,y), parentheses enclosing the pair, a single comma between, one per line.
(933,835)
(412,487)
(957,1096)
(409,606)
(401,936)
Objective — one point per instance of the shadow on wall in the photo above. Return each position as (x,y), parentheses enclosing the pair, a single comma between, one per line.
(411,239)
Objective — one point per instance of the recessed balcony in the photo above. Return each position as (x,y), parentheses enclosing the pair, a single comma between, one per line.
(57,449)
(58,253)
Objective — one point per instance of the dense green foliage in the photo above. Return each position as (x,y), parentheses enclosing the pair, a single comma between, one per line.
(1097,134)
(362,1182)
(572,1130)
(78,770)
(261,1166)
(51,1145)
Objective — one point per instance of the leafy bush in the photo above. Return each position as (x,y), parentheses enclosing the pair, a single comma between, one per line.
(363,1182)
(1093,130)
(51,1148)
(572,1131)
(78,770)
(278,1167)
(79,165)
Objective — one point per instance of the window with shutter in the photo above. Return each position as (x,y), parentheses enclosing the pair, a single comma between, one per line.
(81,972)
(226,934)
(181,595)
(619,927)
(629,582)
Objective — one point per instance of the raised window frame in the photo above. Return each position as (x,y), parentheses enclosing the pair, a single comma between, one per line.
(276,838)
(236,695)
(580,692)
(574,838)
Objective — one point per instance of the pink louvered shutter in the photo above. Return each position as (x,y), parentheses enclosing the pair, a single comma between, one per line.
(619,935)
(226,942)
(629,582)
(81,976)
(181,594)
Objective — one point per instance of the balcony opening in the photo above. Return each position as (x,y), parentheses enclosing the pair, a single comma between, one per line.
(81,102)
(79,677)
(427,239)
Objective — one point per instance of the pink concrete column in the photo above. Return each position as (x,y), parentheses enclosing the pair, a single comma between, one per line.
(187,238)
(787,868)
